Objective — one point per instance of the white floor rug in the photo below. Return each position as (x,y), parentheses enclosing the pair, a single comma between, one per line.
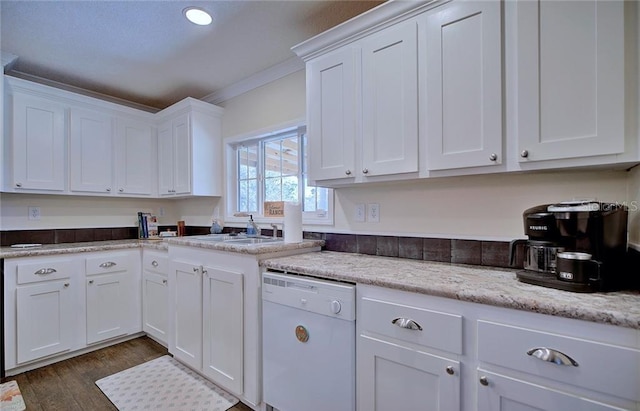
(164,384)
(10,397)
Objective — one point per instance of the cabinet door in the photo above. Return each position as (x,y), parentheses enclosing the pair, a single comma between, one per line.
(462,55)
(570,79)
(134,150)
(223,328)
(39,144)
(186,304)
(45,319)
(509,394)
(392,377)
(165,159)
(107,307)
(155,306)
(331,113)
(182,155)
(390,101)
(91,147)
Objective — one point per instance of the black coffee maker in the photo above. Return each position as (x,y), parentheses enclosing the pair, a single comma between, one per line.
(576,246)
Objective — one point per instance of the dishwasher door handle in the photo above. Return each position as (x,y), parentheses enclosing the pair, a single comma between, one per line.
(407,323)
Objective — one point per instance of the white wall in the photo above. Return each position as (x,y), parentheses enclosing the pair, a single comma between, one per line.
(85,212)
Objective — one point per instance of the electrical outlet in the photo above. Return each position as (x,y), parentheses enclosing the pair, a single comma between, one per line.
(360,213)
(373,214)
(161,212)
(34,213)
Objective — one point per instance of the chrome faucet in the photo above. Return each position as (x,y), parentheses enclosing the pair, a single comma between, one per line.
(274,227)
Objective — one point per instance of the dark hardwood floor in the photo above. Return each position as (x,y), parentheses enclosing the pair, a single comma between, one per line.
(70,385)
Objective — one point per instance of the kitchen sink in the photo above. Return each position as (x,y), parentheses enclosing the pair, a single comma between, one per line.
(236,239)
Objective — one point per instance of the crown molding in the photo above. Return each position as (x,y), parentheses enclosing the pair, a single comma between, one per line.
(259,79)
(8,59)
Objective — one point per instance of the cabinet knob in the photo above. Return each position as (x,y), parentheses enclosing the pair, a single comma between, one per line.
(18,185)
(164,281)
(108,189)
(107,264)
(484,381)
(195,269)
(450,370)
(121,190)
(348,172)
(90,281)
(154,263)
(66,285)
(493,157)
(524,153)
(365,171)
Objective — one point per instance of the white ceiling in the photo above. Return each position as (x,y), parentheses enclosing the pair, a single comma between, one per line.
(147,52)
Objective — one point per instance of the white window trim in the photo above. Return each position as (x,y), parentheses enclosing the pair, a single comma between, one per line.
(230,167)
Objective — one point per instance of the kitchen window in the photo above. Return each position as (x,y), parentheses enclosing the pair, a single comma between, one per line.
(273,167)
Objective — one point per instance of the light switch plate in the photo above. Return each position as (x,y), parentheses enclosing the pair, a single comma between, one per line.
(373,215)
(360,213)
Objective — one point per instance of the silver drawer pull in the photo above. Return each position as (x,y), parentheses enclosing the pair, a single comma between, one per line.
(44,271)
(164,281)
(407,323)
(551,355)
(154,263)
(108,264)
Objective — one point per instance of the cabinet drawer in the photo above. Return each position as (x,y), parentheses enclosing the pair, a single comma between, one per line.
(156,262)
(44,271)
(110,263)
(600,367)
(438,330)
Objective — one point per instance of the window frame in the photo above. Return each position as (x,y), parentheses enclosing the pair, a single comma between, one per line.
(231,180)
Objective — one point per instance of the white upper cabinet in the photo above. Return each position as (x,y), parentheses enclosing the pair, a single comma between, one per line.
(190,150)
(461,69)
(135,161)
(331,115)
(570,79)
(65,143)
(35,146)
(90,151)
(390,101)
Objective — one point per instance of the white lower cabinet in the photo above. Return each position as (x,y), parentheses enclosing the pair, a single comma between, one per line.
(222,332)
(393,376)
(207,305)
(44,319)
(55,306)
(155,295)
(503,393)
(421,352)
(407,356)
(113,295)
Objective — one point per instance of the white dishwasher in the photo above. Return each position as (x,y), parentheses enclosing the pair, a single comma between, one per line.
(308,343)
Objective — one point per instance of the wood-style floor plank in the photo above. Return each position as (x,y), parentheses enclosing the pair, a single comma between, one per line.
(69,385)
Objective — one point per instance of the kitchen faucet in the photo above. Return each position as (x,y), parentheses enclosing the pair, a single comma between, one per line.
(274,227)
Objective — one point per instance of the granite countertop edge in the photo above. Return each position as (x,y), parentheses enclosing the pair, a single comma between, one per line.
(162,245)
(484,285)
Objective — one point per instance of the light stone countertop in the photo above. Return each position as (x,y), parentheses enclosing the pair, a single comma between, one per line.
(67,248)
(484,285)
(262,248)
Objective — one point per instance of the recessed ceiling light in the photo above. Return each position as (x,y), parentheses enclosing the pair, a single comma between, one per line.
(197,16)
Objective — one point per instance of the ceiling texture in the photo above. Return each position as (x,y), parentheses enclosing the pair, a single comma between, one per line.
(147,53)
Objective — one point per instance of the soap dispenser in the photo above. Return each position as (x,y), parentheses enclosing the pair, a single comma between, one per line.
(252,228)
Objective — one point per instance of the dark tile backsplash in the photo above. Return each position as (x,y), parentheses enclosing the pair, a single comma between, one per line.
(473,252)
